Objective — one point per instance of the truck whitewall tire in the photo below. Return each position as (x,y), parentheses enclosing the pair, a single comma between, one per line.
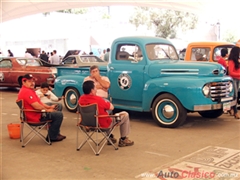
(71,96)
(168,112)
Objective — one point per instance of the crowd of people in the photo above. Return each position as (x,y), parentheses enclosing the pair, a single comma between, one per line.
(51,57)
(104,54)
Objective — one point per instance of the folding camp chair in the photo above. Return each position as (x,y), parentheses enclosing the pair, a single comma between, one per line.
(34,127)
(88,125)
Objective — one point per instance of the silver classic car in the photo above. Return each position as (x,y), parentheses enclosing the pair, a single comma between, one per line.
(83,60)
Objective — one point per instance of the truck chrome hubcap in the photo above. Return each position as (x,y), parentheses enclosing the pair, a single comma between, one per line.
(168,111)
(73,99)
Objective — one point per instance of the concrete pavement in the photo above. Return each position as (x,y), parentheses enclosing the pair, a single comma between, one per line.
(155,149)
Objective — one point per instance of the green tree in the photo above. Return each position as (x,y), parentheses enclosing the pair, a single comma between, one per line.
(165,22)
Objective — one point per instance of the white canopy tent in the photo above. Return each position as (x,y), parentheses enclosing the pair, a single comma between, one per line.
(12,9)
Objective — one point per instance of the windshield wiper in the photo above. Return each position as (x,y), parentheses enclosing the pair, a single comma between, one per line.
(166,54)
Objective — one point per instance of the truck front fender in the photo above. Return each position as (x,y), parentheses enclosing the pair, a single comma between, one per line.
(187,89)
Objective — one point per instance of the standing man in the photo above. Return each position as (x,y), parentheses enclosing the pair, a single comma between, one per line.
(54,59)
(10,54)
(90,97)
(44,56)
(102,83)
(32,101)
(106,55)
(102,55)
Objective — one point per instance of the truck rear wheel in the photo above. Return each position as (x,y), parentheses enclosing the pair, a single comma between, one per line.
(71,96)
(211,114)
(168,112)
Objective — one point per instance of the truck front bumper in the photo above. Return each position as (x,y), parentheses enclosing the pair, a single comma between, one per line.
(213,106)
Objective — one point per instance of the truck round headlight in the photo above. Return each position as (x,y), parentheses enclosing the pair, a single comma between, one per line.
(206,90)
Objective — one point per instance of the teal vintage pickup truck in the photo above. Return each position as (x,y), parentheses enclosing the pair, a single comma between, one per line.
(146,75)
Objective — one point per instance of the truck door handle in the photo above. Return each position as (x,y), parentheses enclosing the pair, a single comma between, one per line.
(111,68)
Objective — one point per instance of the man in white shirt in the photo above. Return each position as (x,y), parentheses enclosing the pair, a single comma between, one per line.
(102,55)
(54,59)
(102,83)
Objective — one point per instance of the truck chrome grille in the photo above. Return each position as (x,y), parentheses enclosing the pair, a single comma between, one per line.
(219,90)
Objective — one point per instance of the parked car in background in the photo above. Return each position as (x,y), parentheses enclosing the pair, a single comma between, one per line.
(47,64)
(11,68)
(82,60)
(71,52)
(205,51)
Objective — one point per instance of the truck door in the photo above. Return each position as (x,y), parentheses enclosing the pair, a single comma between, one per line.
(126,73)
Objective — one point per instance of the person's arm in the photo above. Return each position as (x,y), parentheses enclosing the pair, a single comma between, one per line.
(86,79)
(42,107)
(53,96)
(111,107)
(50,59)
(104,82)
(222,62)
(231,70)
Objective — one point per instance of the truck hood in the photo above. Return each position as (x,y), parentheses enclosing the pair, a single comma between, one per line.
(182,68)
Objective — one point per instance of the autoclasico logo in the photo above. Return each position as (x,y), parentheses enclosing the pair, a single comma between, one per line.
(189,174)
(183,174)
(186,174)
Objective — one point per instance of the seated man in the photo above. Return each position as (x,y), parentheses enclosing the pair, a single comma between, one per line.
(46,96)
(90,97)
(32,101)
(101,83)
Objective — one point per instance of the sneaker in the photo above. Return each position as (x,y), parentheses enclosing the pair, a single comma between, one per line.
(114,140)
(125,142)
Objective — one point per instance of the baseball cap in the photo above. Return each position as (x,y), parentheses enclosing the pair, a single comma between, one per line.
(28,76)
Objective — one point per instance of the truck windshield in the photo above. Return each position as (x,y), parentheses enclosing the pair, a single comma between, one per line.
(161,52)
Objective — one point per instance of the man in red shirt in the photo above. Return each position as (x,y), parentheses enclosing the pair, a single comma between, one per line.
(90,97)
(32,101)
(223,58)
